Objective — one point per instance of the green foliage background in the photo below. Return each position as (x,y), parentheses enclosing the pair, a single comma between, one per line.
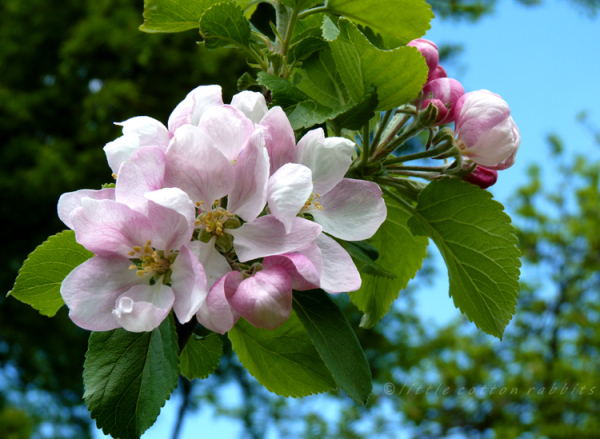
(72,68)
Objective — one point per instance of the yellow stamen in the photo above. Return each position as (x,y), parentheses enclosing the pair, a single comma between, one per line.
(114,176)
(137,248)
(141,273)
(131,253)
(132,267)
(197,222)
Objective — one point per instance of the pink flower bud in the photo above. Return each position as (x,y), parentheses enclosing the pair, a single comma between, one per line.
(446,90)
(429,51)
(437,73)
(441,108)
(482,177)
(486,133)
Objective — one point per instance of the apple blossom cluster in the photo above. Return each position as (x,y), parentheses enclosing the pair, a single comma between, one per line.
(485,131)
(218,215)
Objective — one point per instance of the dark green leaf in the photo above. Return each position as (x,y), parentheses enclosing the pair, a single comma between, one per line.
(322,81)
(336,342)
(283,360)
(401,254)
(304,48)
(359,114)
(201,356)
(364,260)
(302,111)
(41,275)
(246,81)
(398,22)
(224,25)
(129,376)
(398,75)
(479,246)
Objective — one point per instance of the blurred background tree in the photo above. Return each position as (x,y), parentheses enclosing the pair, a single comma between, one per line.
(71,69)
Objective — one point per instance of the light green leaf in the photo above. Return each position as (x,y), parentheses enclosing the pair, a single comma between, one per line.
(224,25)
(182,15)
(322,81)
(301,4)
(128,377)
(200,356)
(336,342)
(302,111)
(41,275)
(398,22)
(401,253)
(479,246)
(283,360)
(173,15)
(398,75)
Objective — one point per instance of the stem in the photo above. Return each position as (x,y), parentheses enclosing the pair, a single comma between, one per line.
(398,169)
(184,332)
(410,157)
(426,175)
(312,11)
(382,125)
(365,149)
(411,131)
(290,31)
(403,204)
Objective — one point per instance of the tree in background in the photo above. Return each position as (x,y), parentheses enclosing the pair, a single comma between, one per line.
(74,69)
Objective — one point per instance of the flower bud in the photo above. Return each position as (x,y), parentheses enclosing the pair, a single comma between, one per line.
(482,177)
(429,51)
(442,111)
(447,91)
(486,133)
(437,73)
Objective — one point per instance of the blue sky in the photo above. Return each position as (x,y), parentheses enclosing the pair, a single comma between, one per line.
(544,62)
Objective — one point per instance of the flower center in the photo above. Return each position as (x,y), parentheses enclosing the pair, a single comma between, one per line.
(146,259)
(213,222)
(313,202)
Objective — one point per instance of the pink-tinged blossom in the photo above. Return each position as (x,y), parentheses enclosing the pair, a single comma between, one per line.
(437,73)
(486,133)
(482,177)
(429,50)
(447,91)
(123,285)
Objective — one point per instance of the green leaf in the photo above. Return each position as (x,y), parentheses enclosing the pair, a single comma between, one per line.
(321,80)
(182,15)
(201,356)
(400,253)
(364,260)
(398,75)
(246,81)
(224,25)
(336,342)
(41,275)
(306,47)
(359,114)
(173,15)
(302,111)
(301,4)
(398,22)
(129,376)
(283,360)
(479,246)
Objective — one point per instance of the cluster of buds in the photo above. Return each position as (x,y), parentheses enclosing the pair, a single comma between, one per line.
(218,215)
(485,133)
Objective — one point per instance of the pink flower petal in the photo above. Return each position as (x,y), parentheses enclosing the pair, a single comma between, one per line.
(119,150)
(108,228)
(352,211)
(197,167)
(328,158)
(265,299)
(143,172)
(149,132)
(70,201)
(266,236)
(176,199)
(91,289)
(196,103)
(280,140)
(228,128)
(214,263)
(216,313)
(289,189)
(171,229)
(143,307)
(303,273)
(339,274)
(251,103)
(189,285)
(248,197)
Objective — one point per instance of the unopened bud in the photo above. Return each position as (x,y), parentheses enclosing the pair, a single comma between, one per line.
(482,177)
(447,92)
(437,73)
(429,51)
